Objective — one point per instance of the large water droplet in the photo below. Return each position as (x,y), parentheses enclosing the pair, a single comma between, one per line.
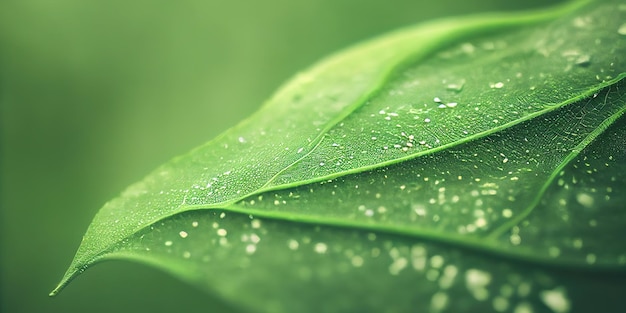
(456,85)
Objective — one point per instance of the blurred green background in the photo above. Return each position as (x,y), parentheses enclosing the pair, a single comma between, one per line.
(96,94)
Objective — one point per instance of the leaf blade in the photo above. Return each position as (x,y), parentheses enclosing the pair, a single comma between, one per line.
(144,204)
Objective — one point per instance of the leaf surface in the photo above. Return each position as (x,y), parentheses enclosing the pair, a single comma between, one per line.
(452,166)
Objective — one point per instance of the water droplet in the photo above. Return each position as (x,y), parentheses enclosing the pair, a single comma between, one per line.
(585,200)
(481,222)
(583,60)
(477,278)
(293,244)
(500,304)
(250,249)
(436,261)
(554,252)
(581,22)
(439,301)
(591,258)
(255,223)
(497,85)
(577,243)
(468,48)
(397,266)
(622,29)
(357,261)
(523,307)
(556,300)
(523,289)
(320,247)
(455,87)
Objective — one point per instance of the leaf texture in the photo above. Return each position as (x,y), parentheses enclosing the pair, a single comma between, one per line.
(471,164)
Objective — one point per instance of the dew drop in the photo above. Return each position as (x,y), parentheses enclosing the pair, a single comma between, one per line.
(481,222)
(622,29)
(255,224)
(500,304)
(554,252)
(397,266)
(523,307)
(497,85)
(321,247)
(476,282)
(250,249)
(477,278)
(583,60)
(293,244)
(468,48)
(455,86)
(357,261)
(436,261)
(439,301)
(585,200)
(577,243)
(591,258)
(507,213)
(556,300)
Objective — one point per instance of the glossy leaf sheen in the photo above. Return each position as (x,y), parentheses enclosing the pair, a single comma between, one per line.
(472,164)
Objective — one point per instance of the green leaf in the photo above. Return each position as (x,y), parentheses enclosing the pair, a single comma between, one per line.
(468,164)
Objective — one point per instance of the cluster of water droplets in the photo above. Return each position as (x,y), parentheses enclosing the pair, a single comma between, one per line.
(241,253)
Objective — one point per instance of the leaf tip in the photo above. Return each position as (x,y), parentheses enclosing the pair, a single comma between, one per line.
(71,273)
(55,291)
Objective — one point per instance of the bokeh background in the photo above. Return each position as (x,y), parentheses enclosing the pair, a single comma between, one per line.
(96,94)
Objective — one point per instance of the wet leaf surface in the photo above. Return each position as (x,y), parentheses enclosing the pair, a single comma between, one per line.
(462,165)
